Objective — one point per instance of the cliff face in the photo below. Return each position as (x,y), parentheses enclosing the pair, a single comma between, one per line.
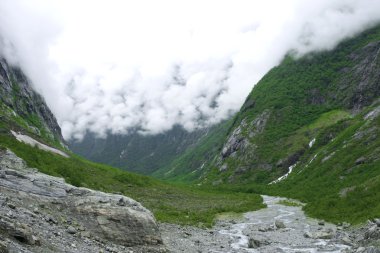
(24,109)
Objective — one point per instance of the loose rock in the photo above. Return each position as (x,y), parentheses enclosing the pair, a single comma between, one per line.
(279,224)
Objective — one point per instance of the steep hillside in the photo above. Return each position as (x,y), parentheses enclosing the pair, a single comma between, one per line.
(339,175)
(24,109)
(190,165)
(284,113)
(294,103)
(310,130)
(138,153)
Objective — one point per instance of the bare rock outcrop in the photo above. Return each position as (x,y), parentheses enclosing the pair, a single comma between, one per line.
(41,213)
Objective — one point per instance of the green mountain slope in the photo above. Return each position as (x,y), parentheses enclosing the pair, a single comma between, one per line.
(189,166)
(318,118)
(138,153)
(339,176)
(292,104)
(285,111)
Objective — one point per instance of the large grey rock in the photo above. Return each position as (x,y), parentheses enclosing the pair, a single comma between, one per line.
(372,250)
(279,224)
(377,221)
(324,234)
(59,214)
(254,243)
(372,233)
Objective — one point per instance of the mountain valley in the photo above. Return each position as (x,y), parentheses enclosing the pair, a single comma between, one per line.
(308,132)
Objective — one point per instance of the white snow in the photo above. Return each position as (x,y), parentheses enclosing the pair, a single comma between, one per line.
(284,176)
(32,142)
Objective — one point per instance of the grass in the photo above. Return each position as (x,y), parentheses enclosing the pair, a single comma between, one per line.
(287,202)
(190,165)
(169,203)
(322,182)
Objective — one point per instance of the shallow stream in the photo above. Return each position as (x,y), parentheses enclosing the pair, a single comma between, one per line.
(233,234)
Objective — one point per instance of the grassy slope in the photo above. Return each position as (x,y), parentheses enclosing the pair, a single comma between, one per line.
(287,91)
(328,177)
(169,203)
(189,166)
(336,186)
(138,153)
(333,185)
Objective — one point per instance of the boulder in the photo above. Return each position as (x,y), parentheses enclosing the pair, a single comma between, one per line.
(254,243)
(3,247)
(308,234)
(327,235)
(360,160)
(372,233)
(372,250)
(68,211)
(279,224)
(377,221)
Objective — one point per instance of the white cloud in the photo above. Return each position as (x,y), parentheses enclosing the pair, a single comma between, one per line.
(113,66)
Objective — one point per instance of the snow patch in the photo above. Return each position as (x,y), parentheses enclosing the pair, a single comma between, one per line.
(32,142)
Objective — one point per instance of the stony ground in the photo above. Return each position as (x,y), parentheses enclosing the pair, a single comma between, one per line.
(277,228)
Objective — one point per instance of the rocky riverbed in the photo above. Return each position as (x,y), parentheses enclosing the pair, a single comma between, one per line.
(278,228)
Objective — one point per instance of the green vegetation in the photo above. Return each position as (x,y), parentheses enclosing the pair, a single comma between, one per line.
(317,96)
(144,154)
(170,203)
(190,165)
(342,182)
(303,96)
(286,202)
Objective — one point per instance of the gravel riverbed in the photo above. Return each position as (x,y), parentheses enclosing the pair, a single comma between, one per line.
(277,228)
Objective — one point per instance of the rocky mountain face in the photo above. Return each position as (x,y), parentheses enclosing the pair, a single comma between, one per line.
(23,108)
(41,213)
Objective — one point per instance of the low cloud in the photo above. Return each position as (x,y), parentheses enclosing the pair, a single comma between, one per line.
(118,66)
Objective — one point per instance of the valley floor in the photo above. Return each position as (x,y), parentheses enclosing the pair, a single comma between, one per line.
(259,232)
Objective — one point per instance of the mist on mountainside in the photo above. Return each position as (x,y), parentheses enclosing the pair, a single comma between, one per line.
(119,66)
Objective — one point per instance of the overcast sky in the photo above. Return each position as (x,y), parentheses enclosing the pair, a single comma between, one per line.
(118,65)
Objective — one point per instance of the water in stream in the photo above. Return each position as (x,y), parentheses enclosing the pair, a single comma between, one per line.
(290,239)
